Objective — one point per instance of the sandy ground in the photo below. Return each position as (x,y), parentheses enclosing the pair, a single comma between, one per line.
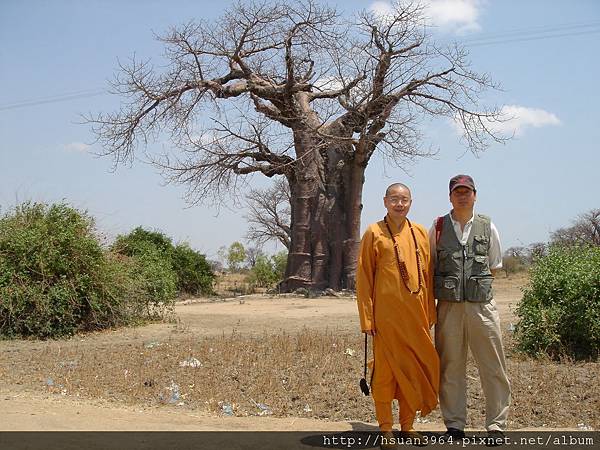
(22,409)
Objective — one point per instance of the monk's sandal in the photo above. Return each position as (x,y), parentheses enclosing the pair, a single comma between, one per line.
(388,441)
(414,437)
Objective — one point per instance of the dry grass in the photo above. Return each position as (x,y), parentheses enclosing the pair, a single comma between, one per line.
(307,374)
(232,284)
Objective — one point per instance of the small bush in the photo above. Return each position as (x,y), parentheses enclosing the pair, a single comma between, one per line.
(154,277)
(560,309)
(147,259)
(54,276)
(280,264)
(268,271)
(263,273)
(136,242)
(194,274)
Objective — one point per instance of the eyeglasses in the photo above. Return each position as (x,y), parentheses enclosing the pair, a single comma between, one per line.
(399,200)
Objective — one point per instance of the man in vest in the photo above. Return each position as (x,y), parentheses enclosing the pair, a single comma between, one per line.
(466,252)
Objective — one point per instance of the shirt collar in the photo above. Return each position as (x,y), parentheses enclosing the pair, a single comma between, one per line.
(454,222)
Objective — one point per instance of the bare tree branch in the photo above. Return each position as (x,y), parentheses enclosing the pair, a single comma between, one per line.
(269,214)
(584,231)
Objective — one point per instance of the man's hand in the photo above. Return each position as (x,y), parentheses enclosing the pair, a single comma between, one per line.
(369,332)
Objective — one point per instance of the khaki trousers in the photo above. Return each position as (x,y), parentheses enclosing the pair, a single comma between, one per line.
(476,325)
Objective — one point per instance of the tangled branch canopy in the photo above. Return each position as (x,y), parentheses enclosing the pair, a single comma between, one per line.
(234,92)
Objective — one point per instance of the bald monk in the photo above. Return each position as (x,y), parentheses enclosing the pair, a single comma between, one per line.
(396,306)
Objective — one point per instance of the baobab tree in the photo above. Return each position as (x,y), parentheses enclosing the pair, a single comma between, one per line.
(295,90)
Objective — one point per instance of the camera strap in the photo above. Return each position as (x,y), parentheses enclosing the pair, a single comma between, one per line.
(366,336)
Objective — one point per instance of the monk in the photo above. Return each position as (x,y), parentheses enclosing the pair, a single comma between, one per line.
(396,306)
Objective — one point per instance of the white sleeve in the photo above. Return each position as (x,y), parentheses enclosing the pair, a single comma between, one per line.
(495,253)
(433,243)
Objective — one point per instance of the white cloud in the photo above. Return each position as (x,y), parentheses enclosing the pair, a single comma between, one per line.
(458,16)
(515,119)
(381,8)
(328,83)
(518,118)
(76,147)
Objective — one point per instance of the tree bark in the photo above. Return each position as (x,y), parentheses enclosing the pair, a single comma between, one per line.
(326,205)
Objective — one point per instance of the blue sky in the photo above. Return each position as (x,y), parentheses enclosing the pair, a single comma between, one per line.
(537,182)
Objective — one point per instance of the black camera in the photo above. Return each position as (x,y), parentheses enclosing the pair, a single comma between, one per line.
(364,386)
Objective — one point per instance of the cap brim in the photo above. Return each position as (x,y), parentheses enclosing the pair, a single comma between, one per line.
(462,185)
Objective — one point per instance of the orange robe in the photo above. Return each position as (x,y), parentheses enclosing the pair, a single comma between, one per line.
(406,364)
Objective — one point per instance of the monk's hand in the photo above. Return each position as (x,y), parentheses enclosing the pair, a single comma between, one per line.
(370,332)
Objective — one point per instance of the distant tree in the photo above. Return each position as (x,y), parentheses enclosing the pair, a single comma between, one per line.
(252,253)
(269,214)
(263,273)
(222,255)
(512,265)
(520,253)
(584,231)
(236,255)
(515,259)
(215,265)
(268,271)
(538,250)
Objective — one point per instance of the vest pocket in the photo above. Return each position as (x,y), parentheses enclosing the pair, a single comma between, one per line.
(479,289)
(448,261)
(481,265)
(446,288)
(481,244)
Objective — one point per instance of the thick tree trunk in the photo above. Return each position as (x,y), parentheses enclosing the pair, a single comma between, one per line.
(304,183)
(326,192)
(355,178)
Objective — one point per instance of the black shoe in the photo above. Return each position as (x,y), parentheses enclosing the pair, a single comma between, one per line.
(454,433)
(495,438)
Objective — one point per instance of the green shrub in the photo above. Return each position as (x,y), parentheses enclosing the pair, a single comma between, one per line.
(262,274)
(54,276)
(154,278)
(147,256)
(268,271)
(560,309)
(194,274)
(280,264)
(137,241)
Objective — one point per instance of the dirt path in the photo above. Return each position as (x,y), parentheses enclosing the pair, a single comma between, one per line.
(32,411)
(23,408)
